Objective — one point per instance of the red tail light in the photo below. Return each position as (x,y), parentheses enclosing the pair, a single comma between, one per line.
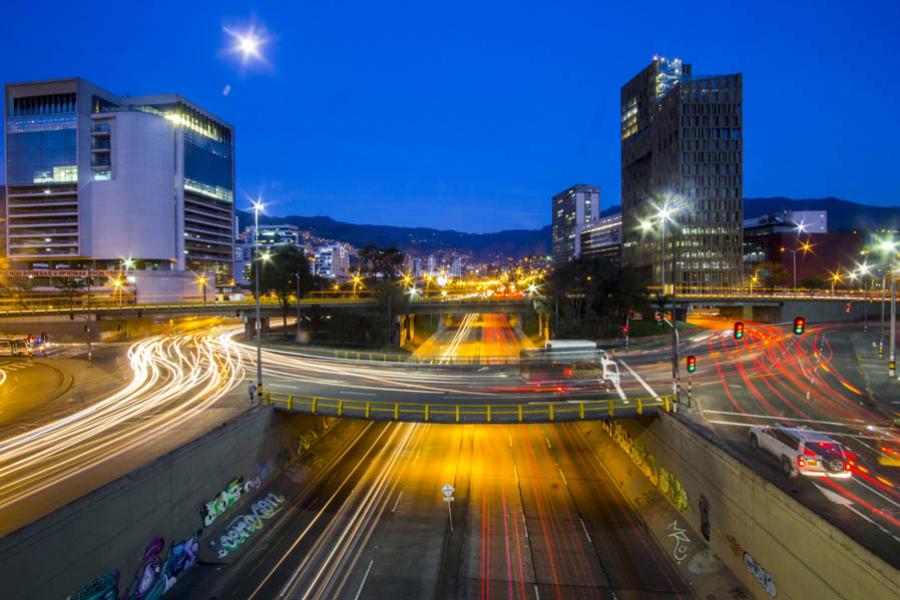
(567,372)
(801,462)
(808,452)
(848,466)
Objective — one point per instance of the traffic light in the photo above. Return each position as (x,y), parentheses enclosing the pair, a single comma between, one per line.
(625,329)
(799,325)
(739,330)
(691,363)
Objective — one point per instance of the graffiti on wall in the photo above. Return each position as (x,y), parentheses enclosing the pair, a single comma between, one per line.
(105,587)
(242,527)
(156,573)
(658,475)
(763,577)
(236,488)
(681,541)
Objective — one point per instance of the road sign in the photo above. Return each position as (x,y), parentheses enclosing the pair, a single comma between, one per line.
(447,490)
(449,498)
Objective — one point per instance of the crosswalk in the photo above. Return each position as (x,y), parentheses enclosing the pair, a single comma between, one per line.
(10,367)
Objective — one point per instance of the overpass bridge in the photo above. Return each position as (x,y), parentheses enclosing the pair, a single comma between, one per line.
(494,413)
(268,308)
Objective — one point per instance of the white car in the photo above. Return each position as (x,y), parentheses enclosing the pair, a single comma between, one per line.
(803,452)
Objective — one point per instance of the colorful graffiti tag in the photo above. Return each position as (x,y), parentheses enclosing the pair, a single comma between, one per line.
(105,587)
(155,575)
(763,577)
(242,527)
(658,475)
(236,488)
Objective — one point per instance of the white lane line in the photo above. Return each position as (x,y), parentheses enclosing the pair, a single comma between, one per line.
(786,418)
(830,433)
(537,593)
(586,534)
(525,525)
(355,393)
(876,492)
(549,447)
(363,582)
(640,379)
(563,477)
(400,495)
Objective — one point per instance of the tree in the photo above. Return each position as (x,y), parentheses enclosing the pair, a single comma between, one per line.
(278,276)
(380,263)
(772,274)
(590,298)
(71,287)
(813,283)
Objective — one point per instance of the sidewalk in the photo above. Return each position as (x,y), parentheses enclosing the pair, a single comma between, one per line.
(882,390)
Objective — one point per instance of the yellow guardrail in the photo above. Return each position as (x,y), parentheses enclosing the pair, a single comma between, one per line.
(466,413)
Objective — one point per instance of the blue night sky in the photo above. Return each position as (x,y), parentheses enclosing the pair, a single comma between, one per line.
(466,116)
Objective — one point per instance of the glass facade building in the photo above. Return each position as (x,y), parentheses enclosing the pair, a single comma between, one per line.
(682,146)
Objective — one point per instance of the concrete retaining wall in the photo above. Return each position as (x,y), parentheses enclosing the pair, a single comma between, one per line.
(150,520)
(777,546)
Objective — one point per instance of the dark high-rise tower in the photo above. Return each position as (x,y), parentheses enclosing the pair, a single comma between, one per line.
(682,143)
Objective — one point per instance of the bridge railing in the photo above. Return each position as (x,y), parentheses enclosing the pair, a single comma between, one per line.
(430,412)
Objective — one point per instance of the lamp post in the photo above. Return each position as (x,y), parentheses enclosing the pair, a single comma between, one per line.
(887,248)
(883,299)
(257,208)
(298,307)
(892,362)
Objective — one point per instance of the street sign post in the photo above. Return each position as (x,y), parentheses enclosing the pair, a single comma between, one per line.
(447,491)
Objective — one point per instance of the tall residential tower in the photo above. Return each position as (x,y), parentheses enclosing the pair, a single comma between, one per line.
(682,143)
(572,210)
(95,178)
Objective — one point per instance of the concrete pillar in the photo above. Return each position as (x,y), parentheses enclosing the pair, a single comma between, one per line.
(250,329)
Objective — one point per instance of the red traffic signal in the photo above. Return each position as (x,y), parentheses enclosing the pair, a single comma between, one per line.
(848,307)
(625,329)
(739,330)
(799,325)
(691,363)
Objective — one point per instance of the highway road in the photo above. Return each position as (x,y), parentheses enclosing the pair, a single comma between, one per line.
(813,380)
(491,338)
(175,393)
(534,512)
(534,516)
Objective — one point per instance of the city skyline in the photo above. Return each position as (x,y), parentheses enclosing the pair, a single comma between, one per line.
(452,126)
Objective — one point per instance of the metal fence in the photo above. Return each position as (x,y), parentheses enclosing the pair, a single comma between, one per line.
(532,412)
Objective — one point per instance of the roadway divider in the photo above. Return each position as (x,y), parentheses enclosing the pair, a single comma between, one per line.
(429,412)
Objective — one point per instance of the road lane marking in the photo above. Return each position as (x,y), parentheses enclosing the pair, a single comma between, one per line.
(549,447)
(640,379)
(516,471)
(563,477)
(586,534)
(831,433)
(758,416)
(363,582)
(355,393)
(400,495)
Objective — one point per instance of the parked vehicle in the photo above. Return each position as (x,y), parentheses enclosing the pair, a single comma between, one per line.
(801,451)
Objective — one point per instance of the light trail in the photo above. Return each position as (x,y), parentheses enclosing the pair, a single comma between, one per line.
(175,378)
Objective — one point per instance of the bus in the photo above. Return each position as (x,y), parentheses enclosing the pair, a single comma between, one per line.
(570,363)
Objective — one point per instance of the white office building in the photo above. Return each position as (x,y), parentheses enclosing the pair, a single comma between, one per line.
(95,179)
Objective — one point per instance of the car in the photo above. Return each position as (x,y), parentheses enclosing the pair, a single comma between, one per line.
(801,451)
(889,453)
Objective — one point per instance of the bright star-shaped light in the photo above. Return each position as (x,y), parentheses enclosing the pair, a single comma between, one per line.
(248,44)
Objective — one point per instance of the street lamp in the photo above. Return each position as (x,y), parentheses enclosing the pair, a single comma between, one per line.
(835,279)
(753,280)
(887,247)
(258,208)
(664,215)
(201,283)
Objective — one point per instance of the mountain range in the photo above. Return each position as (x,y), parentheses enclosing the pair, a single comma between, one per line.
(843,215)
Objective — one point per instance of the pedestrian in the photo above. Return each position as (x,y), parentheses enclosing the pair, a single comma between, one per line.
(252,390)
